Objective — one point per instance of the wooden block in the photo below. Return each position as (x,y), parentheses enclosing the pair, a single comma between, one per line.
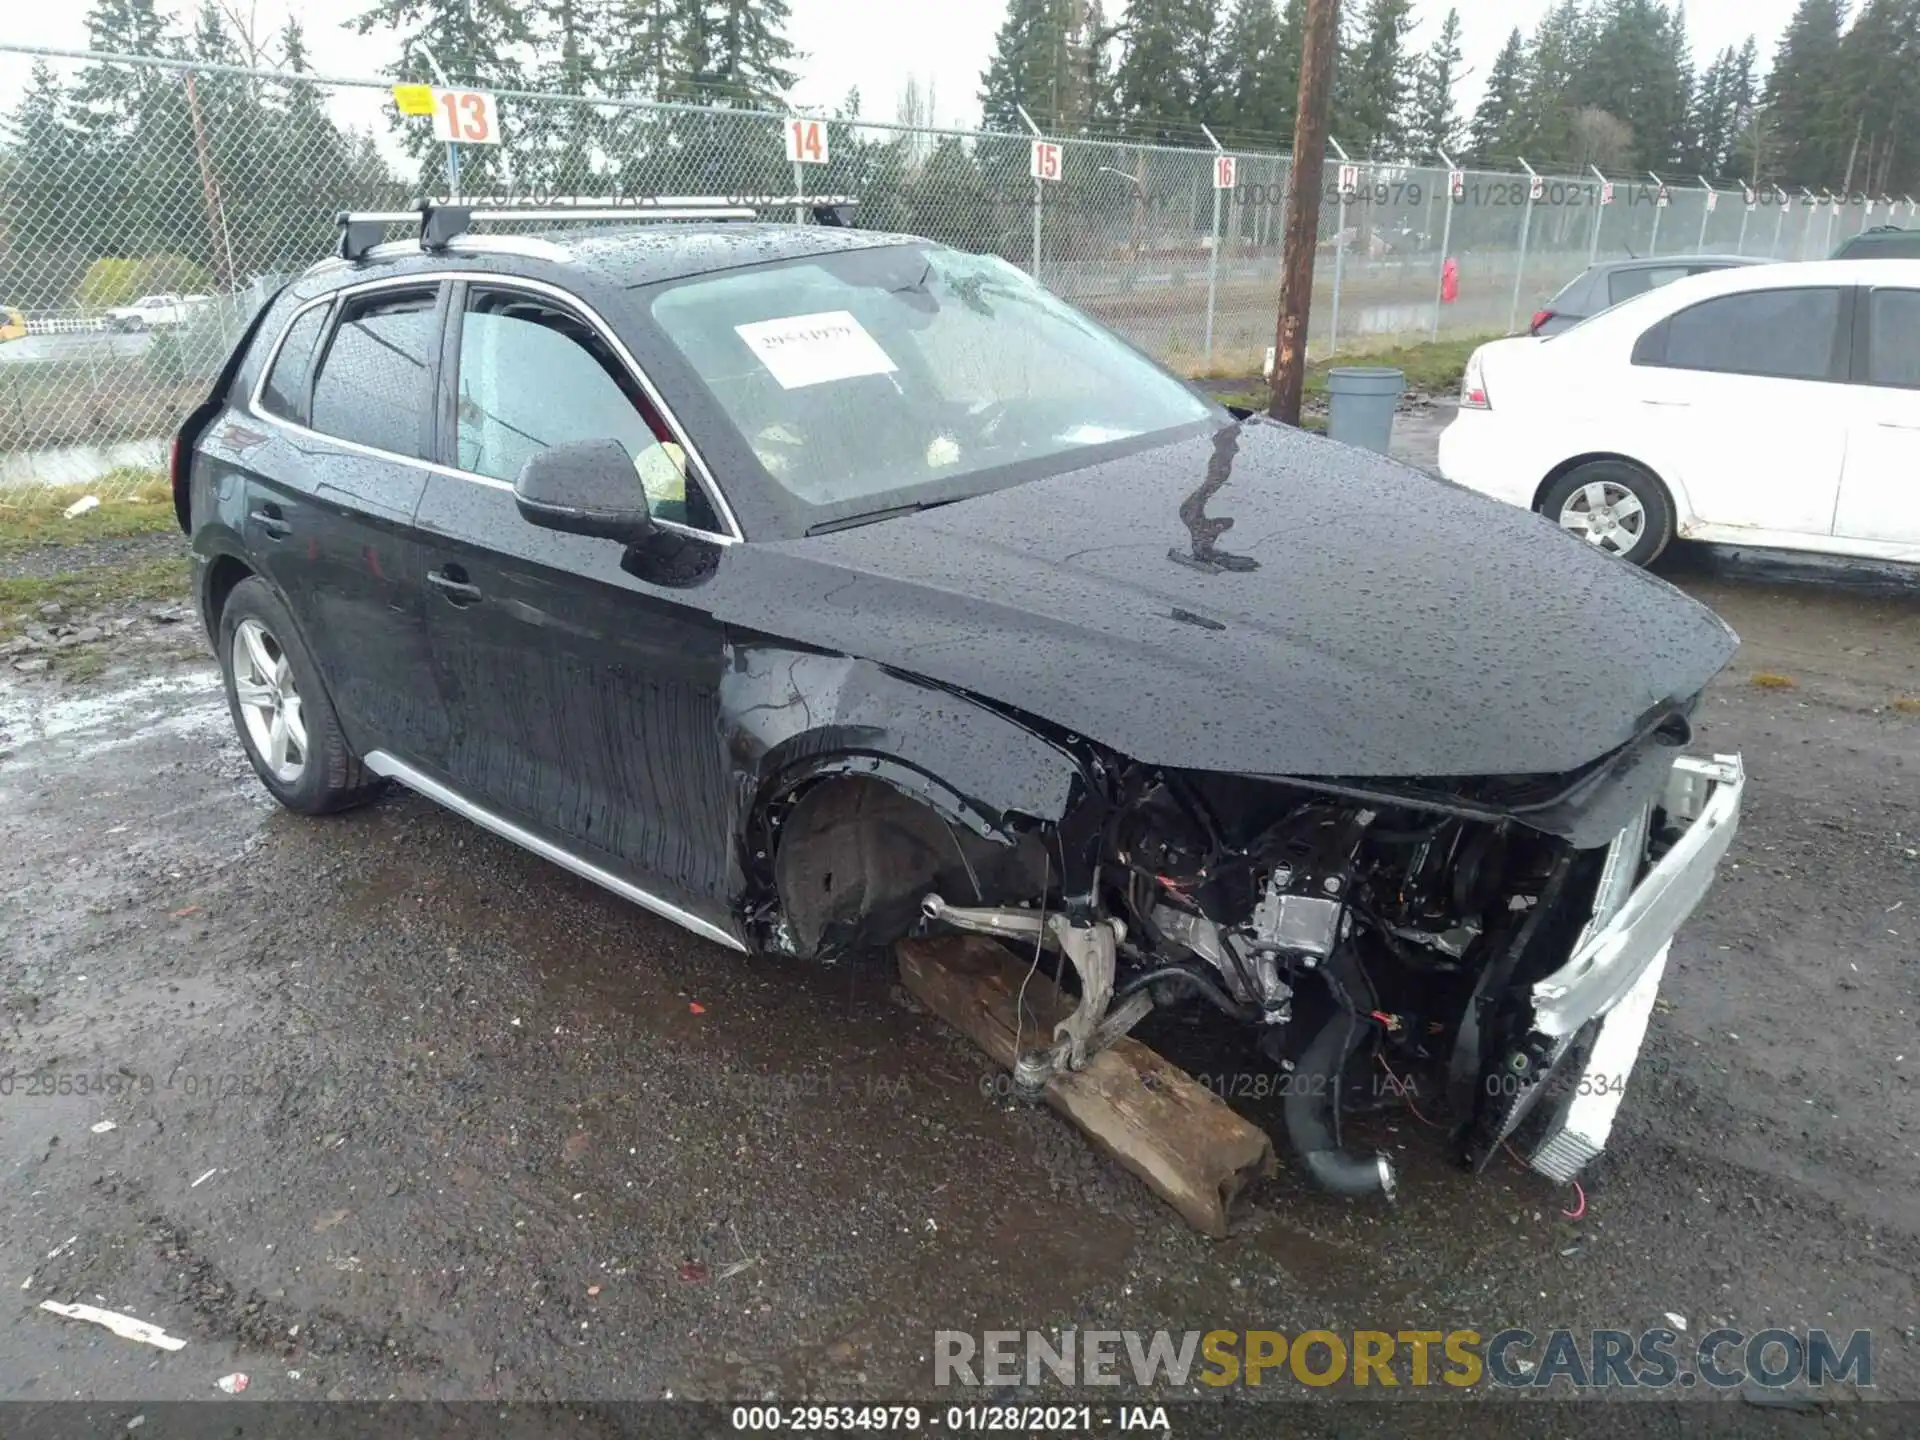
(1134,1105)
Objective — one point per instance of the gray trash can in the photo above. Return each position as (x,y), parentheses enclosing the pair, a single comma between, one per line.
(1361,400)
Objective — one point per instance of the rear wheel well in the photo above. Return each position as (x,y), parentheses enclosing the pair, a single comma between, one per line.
(1567,467)
(225,573)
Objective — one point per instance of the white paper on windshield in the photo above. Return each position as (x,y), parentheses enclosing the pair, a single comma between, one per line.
(802,350)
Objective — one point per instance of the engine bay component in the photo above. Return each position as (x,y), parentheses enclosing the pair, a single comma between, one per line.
(1479,962)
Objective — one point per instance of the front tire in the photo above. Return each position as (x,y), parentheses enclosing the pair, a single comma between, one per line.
(1615,506)
(285,721)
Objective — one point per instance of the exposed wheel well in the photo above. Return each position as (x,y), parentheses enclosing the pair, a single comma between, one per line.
(856,856)
(1566,467)
(226,572)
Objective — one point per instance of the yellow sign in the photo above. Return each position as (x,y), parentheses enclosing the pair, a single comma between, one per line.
(414,99)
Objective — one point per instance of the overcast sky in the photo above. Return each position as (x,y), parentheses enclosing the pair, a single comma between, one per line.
(876,44)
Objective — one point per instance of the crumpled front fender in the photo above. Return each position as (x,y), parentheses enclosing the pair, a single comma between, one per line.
(790,716)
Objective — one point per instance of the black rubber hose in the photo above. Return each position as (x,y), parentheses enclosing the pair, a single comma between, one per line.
(1208,990)
(1312,1115)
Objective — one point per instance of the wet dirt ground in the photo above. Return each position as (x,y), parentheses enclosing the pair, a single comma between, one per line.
(401,1110)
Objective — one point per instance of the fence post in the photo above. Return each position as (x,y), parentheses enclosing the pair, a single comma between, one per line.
(1213,251)
(453,150)
(1038,191)
(1339,239)
(1526,234)
(1653,245)
(1779,223)
(1746,214)
(1599,214)
(1446,247)
(1707,205)
(799,189)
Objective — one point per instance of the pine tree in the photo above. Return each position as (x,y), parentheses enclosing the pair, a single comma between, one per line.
(1256,90)
(1434,125)
(50,209)
(1878,96)
(1163,86)
(1374,79)
(640,40)
(1046,59)
(1803,100)
(1557,57)
(473,41)
(736,52)
(1497,122)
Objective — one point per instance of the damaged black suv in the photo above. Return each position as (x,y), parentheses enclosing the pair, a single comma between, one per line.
(813,587)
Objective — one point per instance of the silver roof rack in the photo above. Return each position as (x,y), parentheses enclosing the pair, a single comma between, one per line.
(441,221)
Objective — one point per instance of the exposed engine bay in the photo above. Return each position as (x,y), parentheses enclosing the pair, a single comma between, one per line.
(1376,949)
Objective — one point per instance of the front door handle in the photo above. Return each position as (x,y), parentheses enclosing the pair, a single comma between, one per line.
(452,583)
(268,518)
(1670,404)
(1897,425)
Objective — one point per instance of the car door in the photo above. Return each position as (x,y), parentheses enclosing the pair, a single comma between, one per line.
(1880,488)
(330,502)
(1739,398)
(581,678)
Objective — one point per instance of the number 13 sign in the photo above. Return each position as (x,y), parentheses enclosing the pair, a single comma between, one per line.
(465,117)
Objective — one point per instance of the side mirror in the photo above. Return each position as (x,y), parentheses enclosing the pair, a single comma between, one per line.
(585,487)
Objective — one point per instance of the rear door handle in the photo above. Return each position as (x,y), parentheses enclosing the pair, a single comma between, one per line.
(1897,425)
(452,583)
(1670,404)
(268,518)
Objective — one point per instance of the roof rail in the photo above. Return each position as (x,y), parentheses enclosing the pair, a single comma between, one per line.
(441,221)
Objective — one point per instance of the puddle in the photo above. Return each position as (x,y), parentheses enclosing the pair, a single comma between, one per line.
(180,703)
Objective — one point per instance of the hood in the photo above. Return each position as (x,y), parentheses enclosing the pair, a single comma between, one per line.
(1257,601)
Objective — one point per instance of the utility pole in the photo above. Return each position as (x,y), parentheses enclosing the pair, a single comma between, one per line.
(1306,180)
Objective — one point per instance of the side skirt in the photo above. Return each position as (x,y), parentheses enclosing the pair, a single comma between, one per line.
(381,763)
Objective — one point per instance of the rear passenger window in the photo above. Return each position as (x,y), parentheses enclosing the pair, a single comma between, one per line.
(372,385)
(1625,284)
(1893,339)
(285,393)
(1787,334)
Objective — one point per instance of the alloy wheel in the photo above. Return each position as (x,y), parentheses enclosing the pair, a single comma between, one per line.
(269,701)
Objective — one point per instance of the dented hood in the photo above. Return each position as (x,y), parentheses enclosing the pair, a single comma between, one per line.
(1257,601)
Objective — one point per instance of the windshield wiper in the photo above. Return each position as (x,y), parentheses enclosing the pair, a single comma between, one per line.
(867,517)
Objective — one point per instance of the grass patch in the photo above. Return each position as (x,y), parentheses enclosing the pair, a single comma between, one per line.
(1768,680)
(1432,368)
(132,502)
(93,588)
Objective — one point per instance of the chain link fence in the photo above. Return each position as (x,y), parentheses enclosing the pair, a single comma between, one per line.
(148,208)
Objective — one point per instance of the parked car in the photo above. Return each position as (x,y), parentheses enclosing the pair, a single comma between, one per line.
(1882,242)
(1608,283)
(1772,407)
(812,587)
(154,312)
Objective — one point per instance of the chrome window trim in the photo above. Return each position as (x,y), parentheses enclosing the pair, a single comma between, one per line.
(702,475)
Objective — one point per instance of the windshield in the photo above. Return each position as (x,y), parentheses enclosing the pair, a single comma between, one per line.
(873,379)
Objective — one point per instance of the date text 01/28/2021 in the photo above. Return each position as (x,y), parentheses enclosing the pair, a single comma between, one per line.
(961,1419)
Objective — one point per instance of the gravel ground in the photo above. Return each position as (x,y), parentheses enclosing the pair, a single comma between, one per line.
(401,1110)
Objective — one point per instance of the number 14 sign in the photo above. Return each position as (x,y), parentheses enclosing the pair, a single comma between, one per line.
(806,142)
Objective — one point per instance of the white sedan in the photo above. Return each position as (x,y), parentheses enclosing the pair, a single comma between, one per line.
(1772,406)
